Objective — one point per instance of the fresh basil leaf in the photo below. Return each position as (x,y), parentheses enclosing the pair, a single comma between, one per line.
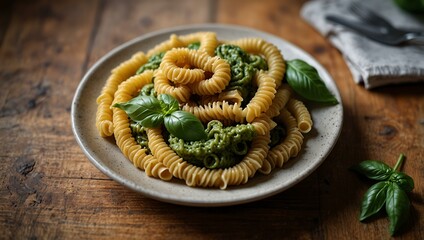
(397,207)
(152,121)
(169,104)
(145,110)
(185,125)
(373,200)
(375,170)
(305,81)
(404,181)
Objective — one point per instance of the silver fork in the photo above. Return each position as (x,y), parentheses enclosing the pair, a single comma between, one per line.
(386,31)
(377,28)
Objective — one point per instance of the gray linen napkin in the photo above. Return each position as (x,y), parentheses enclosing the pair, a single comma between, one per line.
(370,62)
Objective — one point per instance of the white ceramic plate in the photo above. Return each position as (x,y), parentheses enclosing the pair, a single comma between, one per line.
(106,156)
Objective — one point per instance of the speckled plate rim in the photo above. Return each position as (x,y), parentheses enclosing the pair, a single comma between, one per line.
(106,156)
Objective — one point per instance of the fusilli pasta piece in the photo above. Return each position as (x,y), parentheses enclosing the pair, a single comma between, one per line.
(273,56)
(262,99)
(279,102)
(263,124)
(122,132)
(208,41)
(119,74)
(219,80)
(176,66)
(222,111)
(240,173)
(289,147)
(163,86)
(302,115)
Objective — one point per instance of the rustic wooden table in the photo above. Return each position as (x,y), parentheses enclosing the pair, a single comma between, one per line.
(49,189)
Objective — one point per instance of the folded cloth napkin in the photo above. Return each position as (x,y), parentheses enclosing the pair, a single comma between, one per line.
(371,63)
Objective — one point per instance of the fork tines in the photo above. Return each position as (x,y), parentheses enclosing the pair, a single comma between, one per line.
(369,16)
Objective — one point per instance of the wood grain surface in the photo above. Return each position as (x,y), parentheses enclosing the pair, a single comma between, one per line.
(49,189)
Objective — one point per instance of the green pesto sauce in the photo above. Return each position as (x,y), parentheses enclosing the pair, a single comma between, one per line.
(140,135)
(243,67)
(148,90)
(194,46)
(277,135)
(151,64)
(224,147)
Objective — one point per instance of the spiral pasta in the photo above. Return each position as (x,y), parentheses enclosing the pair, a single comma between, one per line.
(302,115)
(119,74)
(208,41)
(262,99)
(222,111)
(282,96)
(254,123)
(273,56)
(174,62)
(286,149)
(163,85)
(219,80)
(122,132)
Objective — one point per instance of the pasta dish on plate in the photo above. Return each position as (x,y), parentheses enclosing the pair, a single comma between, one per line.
(206,110)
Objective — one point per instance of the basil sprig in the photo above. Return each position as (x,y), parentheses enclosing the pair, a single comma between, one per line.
(391,192)
(305,81)
(151,112)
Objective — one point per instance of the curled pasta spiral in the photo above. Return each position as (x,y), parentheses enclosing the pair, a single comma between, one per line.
(263,124)
(262,99)
(240,173)
(219,80)
(175,62)
(208,41)
(162,85)
(122,131)
(222,111)
(289,147)
(119,74)
(302,115)
(273,56)
(176,66)
(279,102)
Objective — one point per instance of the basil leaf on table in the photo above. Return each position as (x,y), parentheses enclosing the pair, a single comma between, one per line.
(305,81)
(404,181)
(185,125)
(391,189)
(145,110)
(169,104)
(373,200)
(374,170)
(397,207)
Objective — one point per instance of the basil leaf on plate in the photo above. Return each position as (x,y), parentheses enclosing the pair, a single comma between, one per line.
(373,200)
(397,207)
(375,170)
(145,110)
(305,81)
(169,104)
(185,125)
